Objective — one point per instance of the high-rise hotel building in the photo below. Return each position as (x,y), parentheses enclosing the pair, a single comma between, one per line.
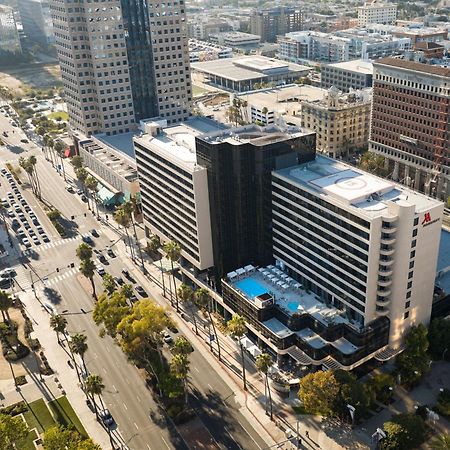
(121,62)
(411,123)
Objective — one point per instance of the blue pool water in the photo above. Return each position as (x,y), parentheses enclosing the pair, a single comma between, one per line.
(251,287)
(292,306)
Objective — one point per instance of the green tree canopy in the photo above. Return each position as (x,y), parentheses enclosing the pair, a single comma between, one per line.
(13,432)
(404,432)
(110,311)
(439,338)
(84,251)
(318,392)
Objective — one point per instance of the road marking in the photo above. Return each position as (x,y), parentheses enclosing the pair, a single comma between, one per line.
(125,406)
(104,370)
(197,369)
(137,428)
(115,389)
(210,386)
(251,437)
(167,445)
(137,396)
(149,448)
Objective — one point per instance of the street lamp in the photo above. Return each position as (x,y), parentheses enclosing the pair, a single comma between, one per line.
(377,436)
(352,410)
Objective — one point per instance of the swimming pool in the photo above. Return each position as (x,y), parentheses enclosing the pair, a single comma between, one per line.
(292,306)
(251,288)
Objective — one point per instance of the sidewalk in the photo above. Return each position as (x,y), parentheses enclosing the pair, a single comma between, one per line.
(322,433)
(57,358)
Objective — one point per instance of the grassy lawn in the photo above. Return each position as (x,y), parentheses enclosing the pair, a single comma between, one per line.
(197,90)
(39,416)
(65,415)
(28,444)
(62,114)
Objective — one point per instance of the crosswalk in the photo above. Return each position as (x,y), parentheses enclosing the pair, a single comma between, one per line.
(53,244)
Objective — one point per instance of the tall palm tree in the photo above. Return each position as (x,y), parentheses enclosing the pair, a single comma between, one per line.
(82,174)
(92,187)
(59,150)
(78,345)
(26,166)
(263,364)
(237,328)
(33,162)
(84,251)
(123,220)
(5,222)
(186,295)
(6,302)
(203,301)
(45,140)
(179,366)
(153,245)
(442,442)
(173,252)
(87,268)
(58,324)
(94,387)
(129,208)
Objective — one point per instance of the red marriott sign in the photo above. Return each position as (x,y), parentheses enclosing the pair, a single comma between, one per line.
(427,220)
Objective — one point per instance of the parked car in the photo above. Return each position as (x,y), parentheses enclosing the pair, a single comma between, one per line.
(168,339)
(119,281)
(141,291)
(106,417)
(45,238)
(25,141)
(100,270)
(110,252)
(103,259)
(84,198)
(70,189)
(87,239)
(26,242)
(94,233)
(8,273)
(128,276)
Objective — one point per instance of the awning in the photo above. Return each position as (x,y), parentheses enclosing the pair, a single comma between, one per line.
(254,351)
(246,342)
(105,196)
(67,152)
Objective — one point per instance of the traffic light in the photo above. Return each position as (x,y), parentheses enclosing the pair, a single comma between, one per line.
(72,265)
(57,269)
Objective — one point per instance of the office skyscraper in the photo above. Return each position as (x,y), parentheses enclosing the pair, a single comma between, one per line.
(121,62)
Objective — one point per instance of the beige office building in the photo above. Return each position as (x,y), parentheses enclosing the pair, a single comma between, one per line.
(374,12)
(341,122)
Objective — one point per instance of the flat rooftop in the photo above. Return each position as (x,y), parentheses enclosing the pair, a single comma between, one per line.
(350,186)
(357,65)
(178,141)
(248,68)
(121,142)
(273,98)
(413,66)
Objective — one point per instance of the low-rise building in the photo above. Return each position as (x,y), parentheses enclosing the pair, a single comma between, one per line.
(206,51)
(110,159)
(415,34)
(345,76)
(9,37)
(241,74)
(377,12)
(341,122)
(237,39)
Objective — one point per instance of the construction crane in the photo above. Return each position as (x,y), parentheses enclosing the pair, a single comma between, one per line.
(442,142)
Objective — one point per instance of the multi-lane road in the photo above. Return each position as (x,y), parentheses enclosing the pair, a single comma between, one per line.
(139,419)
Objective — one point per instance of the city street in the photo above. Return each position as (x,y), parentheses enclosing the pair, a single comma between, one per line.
(49,266)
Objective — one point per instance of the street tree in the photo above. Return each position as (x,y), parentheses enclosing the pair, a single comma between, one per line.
(179,367)
(404,432)
(110,311)
(318,392)
(92,187)
(59,437)
(123,220)
(59,150)
(237,327)
(25,164)
(203,301)
(413,363)
(439,338)
(87,269)
(58,324)
(373,163)
(109,285)
(153,246)
(82,175)
(79,346)
(263,364)
(13,432)
(129,208)
(382,384)
(126,290)
(442,442)
(84,251)
(181,346)
(186,296)
(6,302)
(173,253)
(88,444)
(94,387)
(77,162)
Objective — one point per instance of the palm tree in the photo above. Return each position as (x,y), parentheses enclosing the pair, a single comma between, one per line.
(153,245)
(123,219)
(82,174)
(87,268)
(237,328)
(58,324)
(91,185)
(84,251)
(6,302)
(33,161)
(95,386)
(203,301)
(186,295)
(263,364)
(5,222)
(78,345)
(59,150)
(173,252)
(179,366)
(26,166)
(442,442)
(46,138)
(129,208)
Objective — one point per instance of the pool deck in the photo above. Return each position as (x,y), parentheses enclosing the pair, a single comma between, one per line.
(285,298)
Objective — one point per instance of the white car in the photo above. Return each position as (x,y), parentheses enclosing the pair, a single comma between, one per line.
(100,270)
(7,273)
(26,242)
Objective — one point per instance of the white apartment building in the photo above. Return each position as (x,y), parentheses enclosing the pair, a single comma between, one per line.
(206,51)
(364,245)
(374,12)
(174,190)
